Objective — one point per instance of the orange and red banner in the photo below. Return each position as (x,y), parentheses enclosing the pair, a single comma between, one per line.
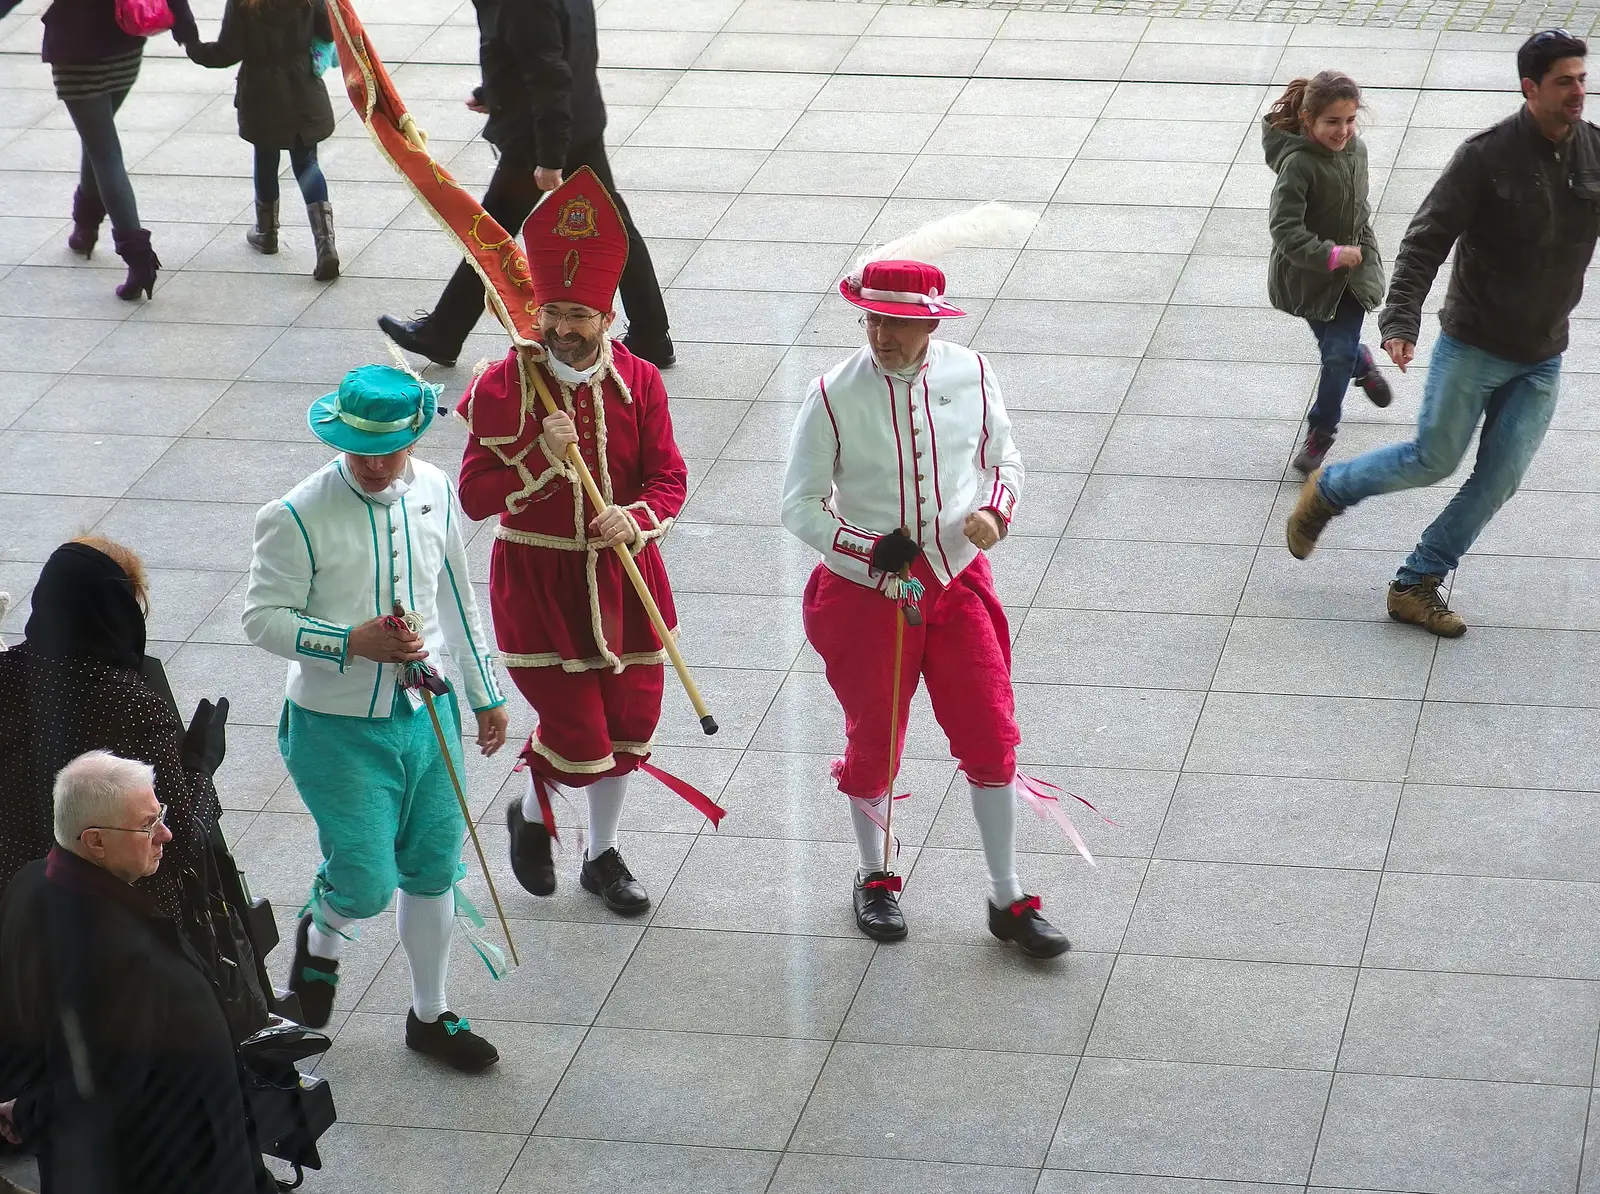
(490,249)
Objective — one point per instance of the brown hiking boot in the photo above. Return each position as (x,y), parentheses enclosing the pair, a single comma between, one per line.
(1310,515)
(1421,605)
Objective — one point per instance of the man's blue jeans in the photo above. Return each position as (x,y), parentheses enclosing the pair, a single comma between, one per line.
(1516,402)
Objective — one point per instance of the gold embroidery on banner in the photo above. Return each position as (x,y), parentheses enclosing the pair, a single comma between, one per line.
(575,220)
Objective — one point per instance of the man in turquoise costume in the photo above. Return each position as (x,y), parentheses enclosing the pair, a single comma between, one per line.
(372,534)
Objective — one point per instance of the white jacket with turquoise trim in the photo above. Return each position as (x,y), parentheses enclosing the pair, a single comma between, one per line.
(328,558)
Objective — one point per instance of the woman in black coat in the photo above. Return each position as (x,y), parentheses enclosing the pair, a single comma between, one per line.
(75,684)
(282,104)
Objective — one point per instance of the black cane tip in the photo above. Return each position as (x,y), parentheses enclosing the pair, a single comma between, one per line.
(708,724)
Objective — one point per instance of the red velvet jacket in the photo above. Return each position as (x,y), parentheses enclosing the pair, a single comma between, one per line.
(555,599)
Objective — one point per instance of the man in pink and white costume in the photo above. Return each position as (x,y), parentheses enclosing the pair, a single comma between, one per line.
(902,458)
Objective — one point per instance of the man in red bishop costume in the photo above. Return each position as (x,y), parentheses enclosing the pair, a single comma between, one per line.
(570,626)
(902,459)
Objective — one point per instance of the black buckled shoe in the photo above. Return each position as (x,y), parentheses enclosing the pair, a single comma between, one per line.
(1032,933)
(530,852)
(657,350)
(413,336)
(315,980)
(878,912)
(451,1040)
(610,879)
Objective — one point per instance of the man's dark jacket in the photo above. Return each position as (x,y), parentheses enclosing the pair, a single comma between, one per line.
(1522,213)
(113,1041)
(539,59)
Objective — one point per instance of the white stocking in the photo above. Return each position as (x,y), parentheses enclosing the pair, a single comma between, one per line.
(425,924)
(331,944)
(996,812)
(605,813)
(869,833)
(531,812)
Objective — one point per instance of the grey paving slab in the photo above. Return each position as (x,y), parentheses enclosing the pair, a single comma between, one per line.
(904,1083)
(802,1173)
(945,995)
(1472,1026)
(1238,1123)
(1253,912)
(1339,737)
(1509,832)
(592,1167)
(683,1088)
(1233,1013)
(1493,926)
(1312,822)
(1437,1135)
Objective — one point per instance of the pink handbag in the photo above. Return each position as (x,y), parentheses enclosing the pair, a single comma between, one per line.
(144,18)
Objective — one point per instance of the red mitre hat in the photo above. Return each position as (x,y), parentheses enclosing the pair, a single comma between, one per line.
(576,244)
(907,289)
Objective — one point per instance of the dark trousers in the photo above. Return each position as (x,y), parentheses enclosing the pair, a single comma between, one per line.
(512,194)
(1344,358)
(307,173)
(101,171)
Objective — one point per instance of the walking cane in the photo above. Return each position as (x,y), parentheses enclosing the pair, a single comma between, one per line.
(575,458)
(900,620)
(425,677)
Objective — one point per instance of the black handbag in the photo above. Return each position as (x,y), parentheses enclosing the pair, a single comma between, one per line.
(291,1110)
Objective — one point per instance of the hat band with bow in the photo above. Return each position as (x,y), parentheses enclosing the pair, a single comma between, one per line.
(373,426)
(934,301)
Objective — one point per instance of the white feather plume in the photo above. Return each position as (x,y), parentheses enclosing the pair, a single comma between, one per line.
(989,224)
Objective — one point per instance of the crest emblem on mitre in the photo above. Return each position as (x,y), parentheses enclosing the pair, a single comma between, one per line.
(576,219)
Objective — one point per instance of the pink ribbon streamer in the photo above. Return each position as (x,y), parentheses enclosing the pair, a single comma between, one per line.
(702,804)
(1041,796)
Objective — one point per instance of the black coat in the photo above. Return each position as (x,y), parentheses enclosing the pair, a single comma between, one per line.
(278,96)
(83,32)
(74,685)
(148,1098)
(539,60)
(52,711)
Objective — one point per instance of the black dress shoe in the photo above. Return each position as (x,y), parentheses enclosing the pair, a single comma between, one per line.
(530,851)
(413,336)
(610,879)
(655,349)
(314,980)
(878,912)
(1033,934)
(451,1040)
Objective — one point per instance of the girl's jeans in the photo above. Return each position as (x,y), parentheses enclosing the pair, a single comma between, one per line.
(1516,402)
(303,161)
(1343,357)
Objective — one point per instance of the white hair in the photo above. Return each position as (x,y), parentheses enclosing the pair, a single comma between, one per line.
(94,790)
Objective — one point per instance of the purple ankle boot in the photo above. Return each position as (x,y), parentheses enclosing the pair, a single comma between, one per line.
(87,212)
(134,248)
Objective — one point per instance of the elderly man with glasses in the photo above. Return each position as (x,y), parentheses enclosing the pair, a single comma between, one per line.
(116,1060)
(570,628)
(903,474)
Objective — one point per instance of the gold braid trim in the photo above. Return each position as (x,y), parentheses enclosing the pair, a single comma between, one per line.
(592,664)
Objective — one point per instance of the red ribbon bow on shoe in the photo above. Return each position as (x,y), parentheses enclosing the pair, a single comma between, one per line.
(887,883)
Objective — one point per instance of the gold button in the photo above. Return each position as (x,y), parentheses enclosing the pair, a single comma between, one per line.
(920,477)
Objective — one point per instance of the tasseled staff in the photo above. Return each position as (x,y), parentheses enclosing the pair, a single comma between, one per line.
(428,683)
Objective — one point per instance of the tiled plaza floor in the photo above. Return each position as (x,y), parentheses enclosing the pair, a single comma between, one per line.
(1346,931)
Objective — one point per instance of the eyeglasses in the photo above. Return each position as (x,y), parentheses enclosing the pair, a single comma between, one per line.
(892,323)
(571,318)
(148,830)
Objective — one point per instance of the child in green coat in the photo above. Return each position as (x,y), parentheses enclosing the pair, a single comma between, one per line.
(1324,267)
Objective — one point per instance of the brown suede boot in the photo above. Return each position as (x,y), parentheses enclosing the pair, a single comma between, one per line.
(1311,513)
(1421,605)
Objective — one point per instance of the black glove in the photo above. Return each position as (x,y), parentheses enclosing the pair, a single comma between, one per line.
(205,744)
(892,552)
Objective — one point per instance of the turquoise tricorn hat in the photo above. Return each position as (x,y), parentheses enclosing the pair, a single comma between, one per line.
(376,410)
